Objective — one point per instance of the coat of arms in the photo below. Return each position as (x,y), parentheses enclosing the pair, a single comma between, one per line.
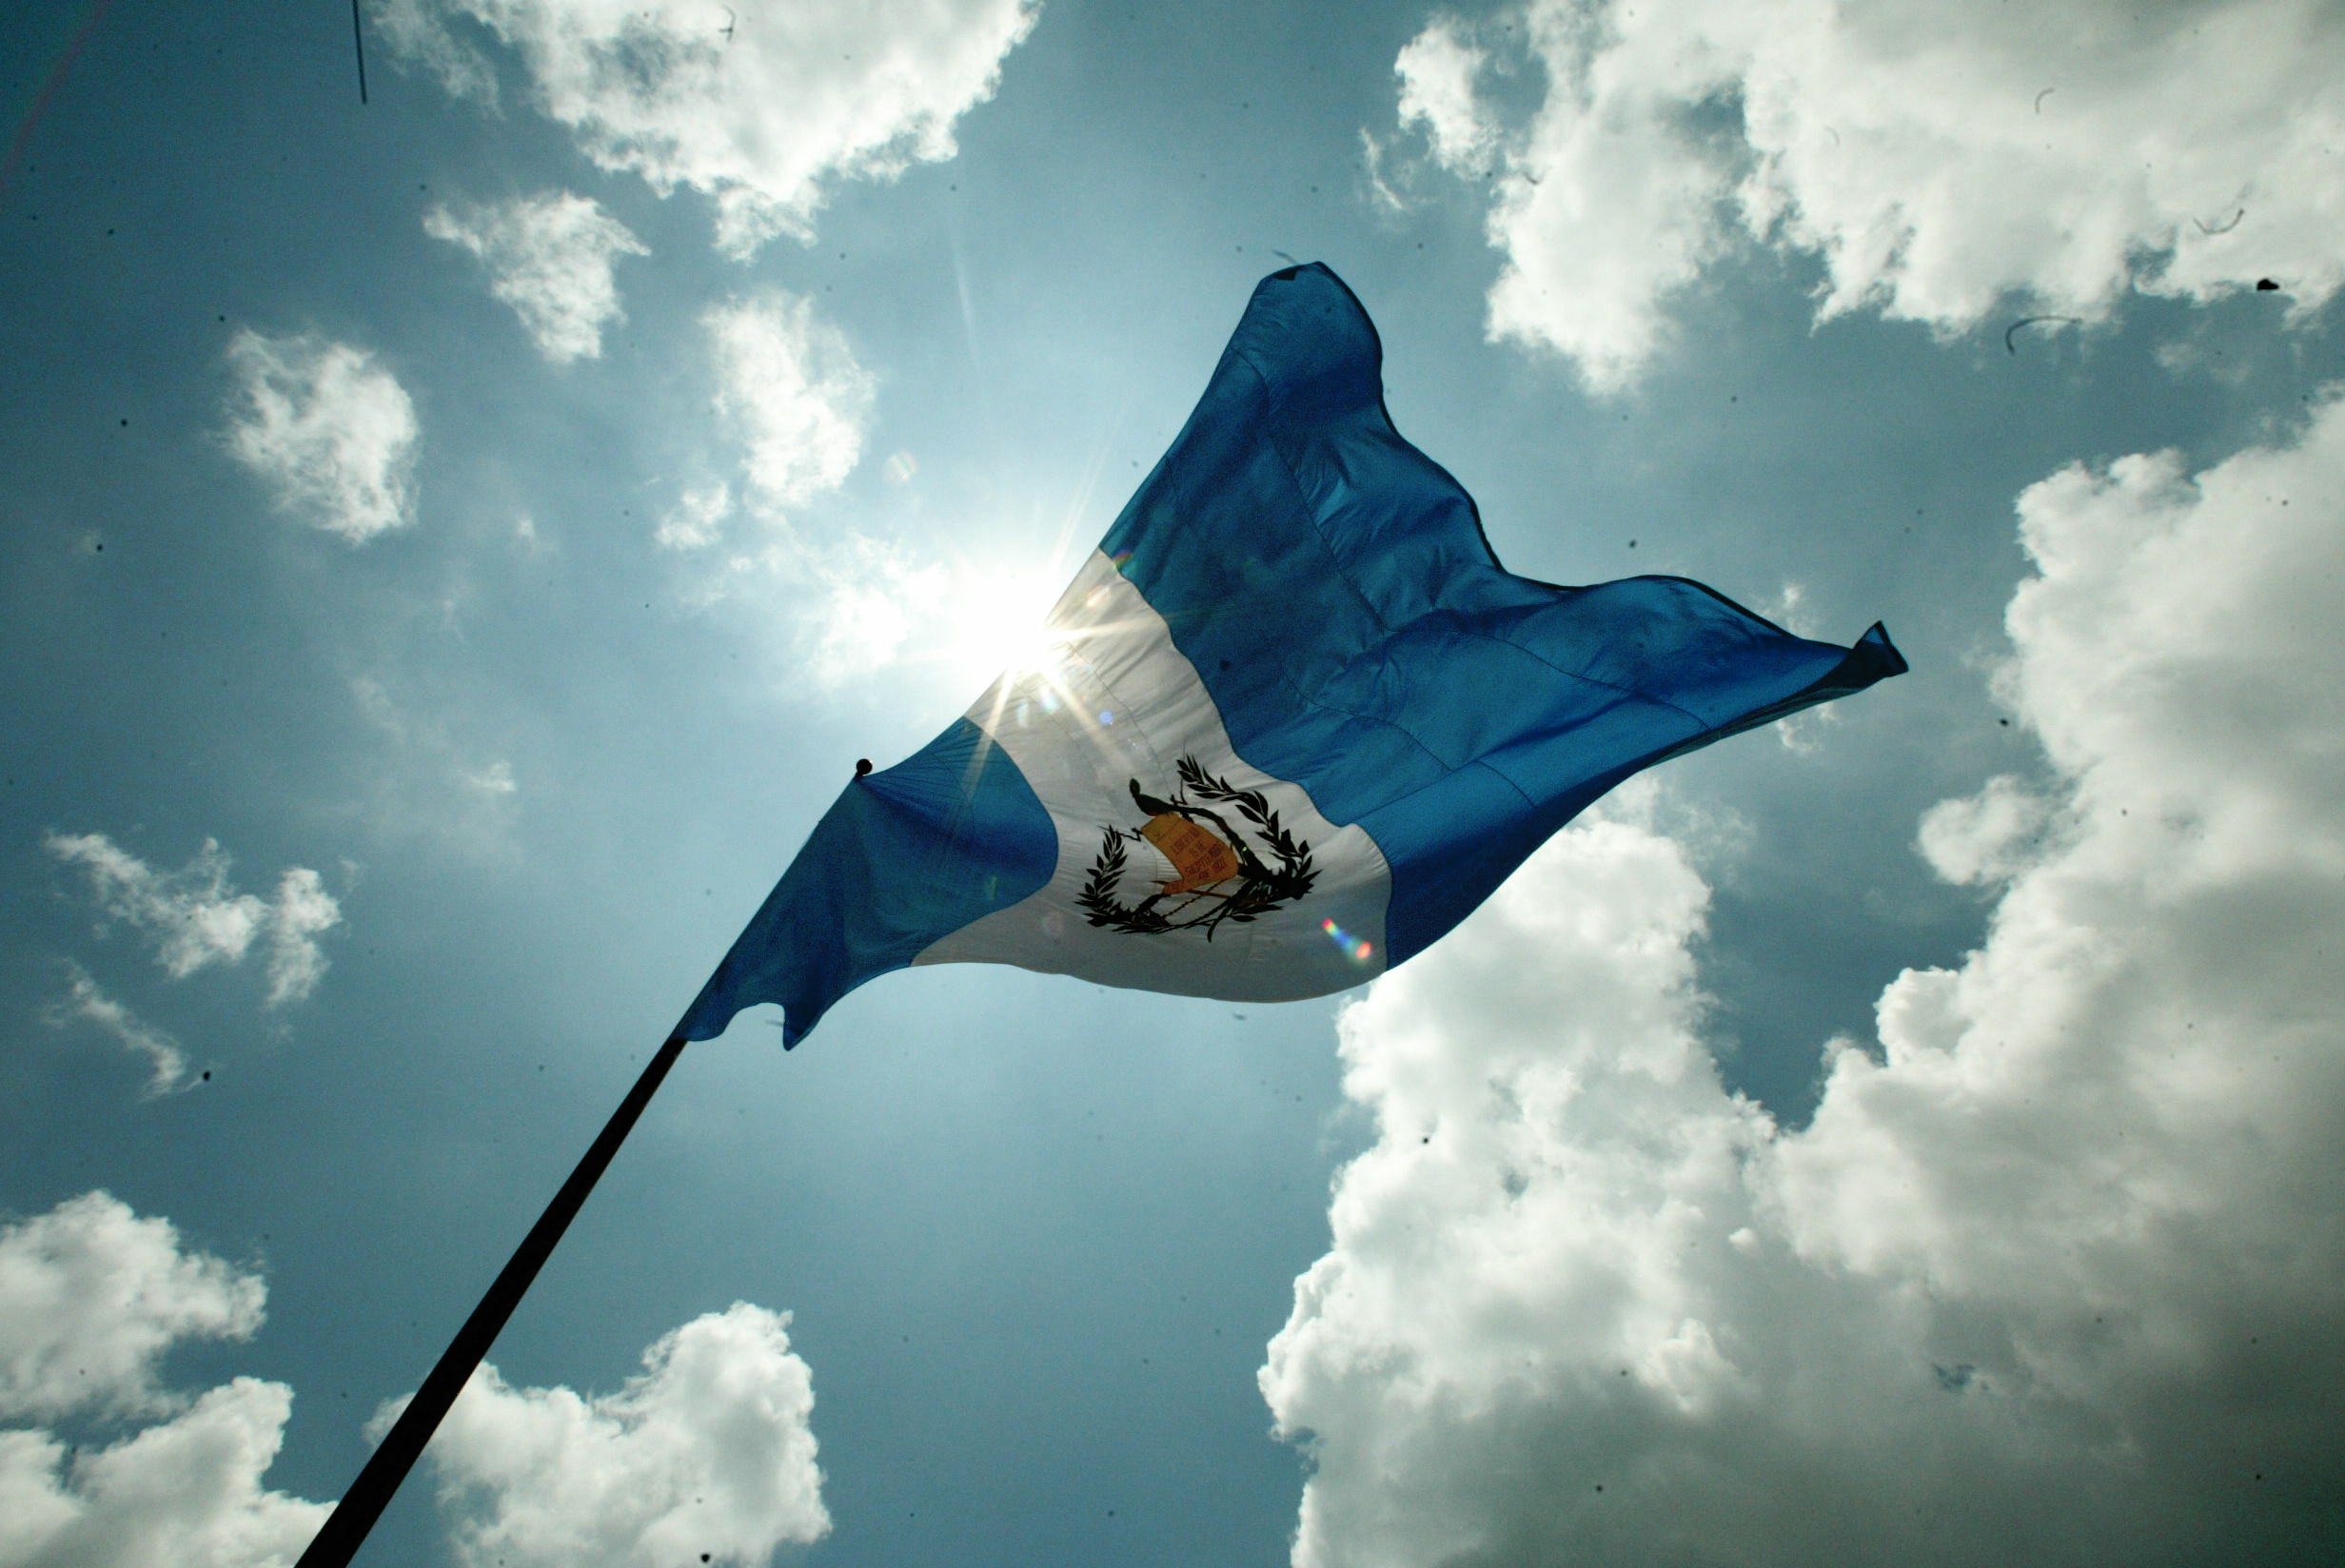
(1220,872)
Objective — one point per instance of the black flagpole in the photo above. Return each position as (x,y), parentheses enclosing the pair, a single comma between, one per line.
(358,41)
(346,1528)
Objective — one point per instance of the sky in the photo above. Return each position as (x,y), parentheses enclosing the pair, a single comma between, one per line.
(454,545)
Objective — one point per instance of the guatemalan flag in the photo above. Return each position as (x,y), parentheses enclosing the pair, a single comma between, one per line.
(1294,723)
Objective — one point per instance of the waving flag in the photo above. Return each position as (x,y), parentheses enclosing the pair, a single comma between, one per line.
(1294,723)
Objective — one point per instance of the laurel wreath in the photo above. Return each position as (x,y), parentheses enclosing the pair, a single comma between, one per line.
(1262,887)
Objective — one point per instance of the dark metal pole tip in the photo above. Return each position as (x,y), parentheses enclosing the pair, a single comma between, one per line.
(862,767)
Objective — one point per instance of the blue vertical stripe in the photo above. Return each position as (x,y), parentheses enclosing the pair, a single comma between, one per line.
(903,857)
(1334,588)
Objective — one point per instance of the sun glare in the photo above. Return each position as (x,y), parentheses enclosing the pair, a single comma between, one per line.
(996,625)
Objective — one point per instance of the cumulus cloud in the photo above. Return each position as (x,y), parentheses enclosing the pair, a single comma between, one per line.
(330,431)
(1985,837)
(792,396)
(185,1493)
(2064,153)
(869,599)
(196,919)
(1438,72)
(91,1296)
(85,1002)
(790,385)
(550,258)
(435,781)
(420,31)
(698,517)
(705,1456)
(758,110)
(495,779)
(844,607)
(303,912)
(2050,1277)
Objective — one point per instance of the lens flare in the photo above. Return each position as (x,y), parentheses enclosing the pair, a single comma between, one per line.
(1355,947)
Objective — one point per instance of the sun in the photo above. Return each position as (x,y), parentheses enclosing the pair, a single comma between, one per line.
(997,623)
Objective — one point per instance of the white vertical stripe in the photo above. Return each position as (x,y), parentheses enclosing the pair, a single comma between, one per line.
(1114,703)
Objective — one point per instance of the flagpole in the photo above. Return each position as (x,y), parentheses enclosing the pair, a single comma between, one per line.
(346,1528)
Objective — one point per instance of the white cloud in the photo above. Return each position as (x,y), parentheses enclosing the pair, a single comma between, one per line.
(91,1296)
(1984,838)
(707,1454)
(871,600)
(792,394)
(2050,1275)
(756,107)
(839,609)
(495,779)
(434,782)
(698,517)
(1381,196)
(550,258)
(791,386)
(84,1001)
(1437,71)
(2064,153)
(330,431)
(197,919)
(303,912)
(184,1493)
(418,30)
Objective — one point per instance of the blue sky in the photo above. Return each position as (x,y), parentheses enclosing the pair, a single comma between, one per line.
(454,547)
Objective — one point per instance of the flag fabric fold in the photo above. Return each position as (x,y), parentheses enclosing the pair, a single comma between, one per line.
(1294,723)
